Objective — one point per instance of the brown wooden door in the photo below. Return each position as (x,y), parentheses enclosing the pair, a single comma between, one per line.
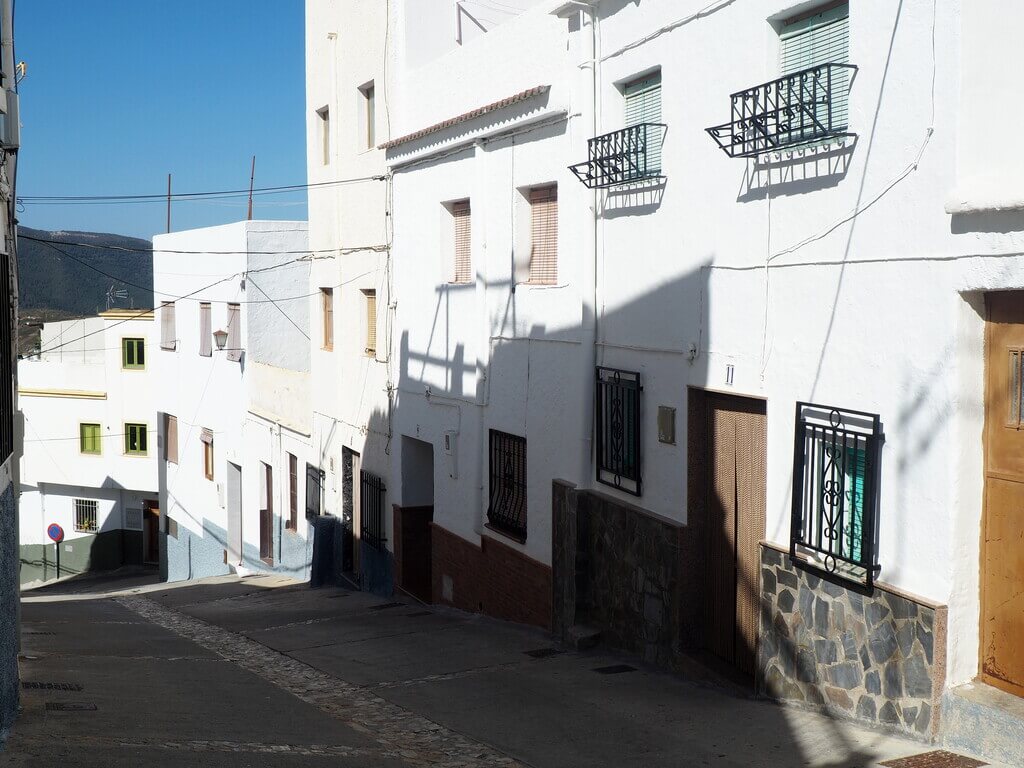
(736,430)
(1002,556)
(151,532)
(267,517)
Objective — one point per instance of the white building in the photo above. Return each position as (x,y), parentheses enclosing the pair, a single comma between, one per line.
(89,463)
(233,394)
(353,368)
(739,406)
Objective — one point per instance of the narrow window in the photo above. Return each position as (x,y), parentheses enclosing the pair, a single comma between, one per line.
(506,510)
(463,242)
(293,493)
(371,323)
(810,40)
(618,429)
(544,235)
(206,438)
(133,353)
(325,134)
(370,114)
(89,438)
(205,330)
(85,515)
(327,307)
(371,510)
(170,438)
(234,343)
(135,440)
(168,332)
(643,111)
(314,481)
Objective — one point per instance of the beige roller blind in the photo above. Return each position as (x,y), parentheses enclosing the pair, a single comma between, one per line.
(544,235)
(205,331)
(234,345)
(463,243)
(171,438)
(168,335)
(371,323)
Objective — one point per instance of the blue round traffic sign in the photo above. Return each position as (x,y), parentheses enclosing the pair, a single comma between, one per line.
(55,532)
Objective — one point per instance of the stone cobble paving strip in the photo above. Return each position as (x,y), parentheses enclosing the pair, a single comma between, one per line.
(402,734)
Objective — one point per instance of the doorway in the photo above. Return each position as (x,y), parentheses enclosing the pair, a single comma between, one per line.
(728,449)
(267,514)
(234,488)
(413,545)
(350,467)
(151,532)
(1002,556)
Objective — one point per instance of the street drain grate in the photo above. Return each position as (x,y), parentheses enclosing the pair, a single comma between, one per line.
(420,613)
(614,669)
(543,653)
(937,759)
(54,706)
(382,606)
(35,686)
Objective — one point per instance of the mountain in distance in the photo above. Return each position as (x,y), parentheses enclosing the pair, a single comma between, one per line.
(52,281)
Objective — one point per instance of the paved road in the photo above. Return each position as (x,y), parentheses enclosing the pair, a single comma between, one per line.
(265,672)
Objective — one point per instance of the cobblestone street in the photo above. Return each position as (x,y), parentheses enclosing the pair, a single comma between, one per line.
(266,672)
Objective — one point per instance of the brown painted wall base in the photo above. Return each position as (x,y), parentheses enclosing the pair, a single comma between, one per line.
(492,578)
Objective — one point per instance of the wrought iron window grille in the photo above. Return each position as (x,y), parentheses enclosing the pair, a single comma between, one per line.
(789,112)
(371,509)
(623,157)
(506,509)
(618,429)
(836,472)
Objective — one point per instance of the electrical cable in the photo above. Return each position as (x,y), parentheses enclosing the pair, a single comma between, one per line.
(128,249)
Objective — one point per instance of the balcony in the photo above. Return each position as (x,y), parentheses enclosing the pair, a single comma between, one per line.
(629,155)
(802,108)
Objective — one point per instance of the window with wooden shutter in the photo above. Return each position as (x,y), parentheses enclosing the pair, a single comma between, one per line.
(643,105)
(206,438)
(822,37)
(90,440)
(234,343)
(135,440)
(205,330)
(371,323)
(463,242)
(544,235)
(170,438)
(133,353)
(327,306)
(168,332)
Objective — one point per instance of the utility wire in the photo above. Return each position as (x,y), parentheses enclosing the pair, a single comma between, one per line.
(129,249)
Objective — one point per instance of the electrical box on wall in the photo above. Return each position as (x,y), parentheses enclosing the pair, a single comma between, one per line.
(451,450)
(666,425)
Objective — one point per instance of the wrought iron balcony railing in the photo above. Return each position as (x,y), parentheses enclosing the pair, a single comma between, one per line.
(793,111)
(620,157)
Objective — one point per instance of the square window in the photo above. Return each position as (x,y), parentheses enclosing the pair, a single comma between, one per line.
(135,439)
(133,353)
(90,438)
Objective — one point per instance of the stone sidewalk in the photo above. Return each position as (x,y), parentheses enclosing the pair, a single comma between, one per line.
(265,672)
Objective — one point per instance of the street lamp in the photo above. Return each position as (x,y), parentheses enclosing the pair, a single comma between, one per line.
(220,338)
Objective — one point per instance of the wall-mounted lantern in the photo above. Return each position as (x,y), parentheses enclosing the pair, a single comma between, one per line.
(220,338)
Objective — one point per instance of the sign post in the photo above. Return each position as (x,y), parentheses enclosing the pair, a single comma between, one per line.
(56,534)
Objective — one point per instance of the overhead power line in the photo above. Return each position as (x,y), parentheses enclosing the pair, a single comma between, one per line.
(162,197)
(129,249)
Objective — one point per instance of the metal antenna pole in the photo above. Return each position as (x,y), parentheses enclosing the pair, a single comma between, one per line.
(168,202)
(252,178)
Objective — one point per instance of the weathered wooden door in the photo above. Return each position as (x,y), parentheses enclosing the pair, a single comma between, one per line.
(267,516)
(1002,556)
(735,509)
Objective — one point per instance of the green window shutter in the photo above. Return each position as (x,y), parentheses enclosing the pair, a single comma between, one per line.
(89,438)
(643,105)
(853,531)
(823,38)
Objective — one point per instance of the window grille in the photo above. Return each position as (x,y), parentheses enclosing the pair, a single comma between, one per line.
(234,342)
(85,515)
(835,488)
(371,509)
(135,439)
(133,518)
(168,331)
(205,330)
(133,353)
(618,429)
(462,218)
(506,510)
(90,438)
(170,438)
(544,235)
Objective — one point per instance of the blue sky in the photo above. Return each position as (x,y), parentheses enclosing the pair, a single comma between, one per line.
(120,93)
